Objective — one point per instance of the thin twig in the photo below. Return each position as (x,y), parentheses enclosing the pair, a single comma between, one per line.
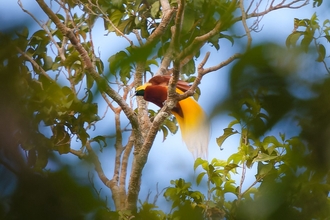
(97,165)
(105,16)
(246,28)
(34,64)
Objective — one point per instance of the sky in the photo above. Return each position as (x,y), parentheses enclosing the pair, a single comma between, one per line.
(170,159)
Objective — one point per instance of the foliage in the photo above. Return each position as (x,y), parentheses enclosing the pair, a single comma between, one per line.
(312,33)
(54,83)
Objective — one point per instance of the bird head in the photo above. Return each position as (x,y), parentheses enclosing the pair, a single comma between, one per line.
(140,90)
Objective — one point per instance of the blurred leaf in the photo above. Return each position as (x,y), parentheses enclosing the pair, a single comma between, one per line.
(321,50)
(200,177)
(291,40)
(155,9)
(188,21)
(263,169)
(317,3)
(203,163)
(264,157)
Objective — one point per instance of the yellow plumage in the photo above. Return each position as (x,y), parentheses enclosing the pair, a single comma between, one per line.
(191,118)
(194,127)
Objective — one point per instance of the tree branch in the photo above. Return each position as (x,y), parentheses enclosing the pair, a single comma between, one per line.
(123,171)
(246,28)
(290,5)
(35,64)
(97,165)
(89,67)
(175,44)
(202,72)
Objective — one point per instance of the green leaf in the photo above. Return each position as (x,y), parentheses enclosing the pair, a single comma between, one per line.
(100,139)
(200,177)
(42,160)
(321,50)
(263,169)
(116,60)
(218,163)
(270,140)
(165,132)
(227,133)
(89,81)
(229,187)
(232,123)
(230,38)
(317,3)
(327,37)
(200,161)
(188,21)
(115,18)
(48,63)
(264,157)
(230,166)
(189,68)
(155,9)
(172,126)
(236,157)
(63,148)
(24,33)
(99,65)
(306,41)
(217,180)
(144,28)
(292,39)
(125,72)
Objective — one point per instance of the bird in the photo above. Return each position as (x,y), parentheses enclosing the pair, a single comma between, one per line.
(190,116)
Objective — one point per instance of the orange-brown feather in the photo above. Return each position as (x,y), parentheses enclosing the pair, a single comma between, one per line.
(158,95)
(163,80)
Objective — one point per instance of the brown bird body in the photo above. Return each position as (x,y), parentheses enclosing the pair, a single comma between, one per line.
(190,116)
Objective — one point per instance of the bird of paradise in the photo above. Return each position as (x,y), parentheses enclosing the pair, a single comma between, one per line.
(191,118)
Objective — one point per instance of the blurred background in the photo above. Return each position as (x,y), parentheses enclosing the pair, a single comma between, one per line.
(297,99)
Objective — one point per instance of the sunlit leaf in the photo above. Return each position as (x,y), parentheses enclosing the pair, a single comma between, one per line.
(115,18)
(227,133)
(264,157)
(200,177)
(229,167)
(200,161)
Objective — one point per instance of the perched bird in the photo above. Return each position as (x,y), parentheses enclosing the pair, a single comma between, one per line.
(190,116)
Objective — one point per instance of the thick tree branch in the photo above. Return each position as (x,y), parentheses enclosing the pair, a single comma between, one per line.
(140,159)
(123,171)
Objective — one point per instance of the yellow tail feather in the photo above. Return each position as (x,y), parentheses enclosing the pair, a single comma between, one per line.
(194,127)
